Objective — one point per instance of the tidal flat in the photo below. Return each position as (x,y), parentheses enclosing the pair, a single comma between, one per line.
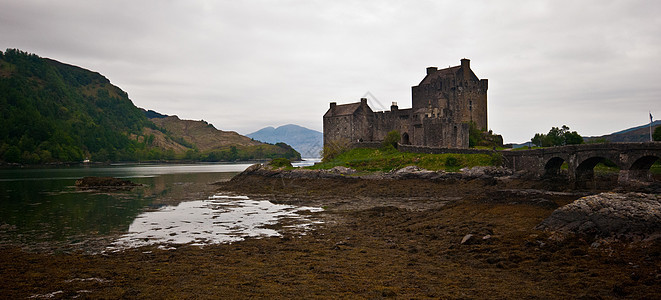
(375,239)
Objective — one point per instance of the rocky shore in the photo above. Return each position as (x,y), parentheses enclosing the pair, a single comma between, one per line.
(410,233)
(104,183)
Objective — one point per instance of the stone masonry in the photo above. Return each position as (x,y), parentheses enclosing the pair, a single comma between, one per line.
(443,104)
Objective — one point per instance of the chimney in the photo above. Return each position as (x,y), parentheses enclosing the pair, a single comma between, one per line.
(431,70)
(394,106)
(465,63)
(363,101)
(333,104)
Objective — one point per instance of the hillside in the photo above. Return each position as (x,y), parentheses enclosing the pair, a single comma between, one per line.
(202,134)
(634,134)
(306,141)
(54,112)
(200,140)
(51,112)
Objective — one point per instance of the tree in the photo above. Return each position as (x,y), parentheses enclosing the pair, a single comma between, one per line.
(557,137)
(657,134)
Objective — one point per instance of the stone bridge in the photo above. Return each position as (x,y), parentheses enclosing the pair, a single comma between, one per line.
(633,159)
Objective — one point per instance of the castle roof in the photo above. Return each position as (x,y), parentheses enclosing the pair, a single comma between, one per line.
(442,73)
(343,110)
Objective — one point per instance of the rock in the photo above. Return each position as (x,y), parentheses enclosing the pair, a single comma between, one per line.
(411,172)
(105,183)
(486,172)
(341,170)
(468,239)
(621,216)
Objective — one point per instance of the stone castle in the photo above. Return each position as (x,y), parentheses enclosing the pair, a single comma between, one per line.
(444,103)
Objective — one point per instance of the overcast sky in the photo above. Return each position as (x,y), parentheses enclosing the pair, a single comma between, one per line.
(244,65)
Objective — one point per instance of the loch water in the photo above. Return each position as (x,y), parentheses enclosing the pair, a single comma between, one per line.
(42,210)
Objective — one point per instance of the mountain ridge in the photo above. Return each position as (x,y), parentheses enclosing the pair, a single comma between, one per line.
(307,141)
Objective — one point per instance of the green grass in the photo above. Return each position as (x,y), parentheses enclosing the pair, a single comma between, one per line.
(526,148)
(374,160)
(656,167)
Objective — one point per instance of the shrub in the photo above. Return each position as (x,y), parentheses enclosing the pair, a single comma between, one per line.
(657,134)
(333,148)
(280,163)
(391,140)
(451,162)
(496,159)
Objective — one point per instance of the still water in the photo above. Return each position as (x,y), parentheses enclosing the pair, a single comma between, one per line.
(42,210)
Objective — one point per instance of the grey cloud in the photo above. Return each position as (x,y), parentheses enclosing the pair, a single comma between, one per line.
(242,65)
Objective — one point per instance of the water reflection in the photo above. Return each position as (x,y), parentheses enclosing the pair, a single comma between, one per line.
(42,210)
(219,219)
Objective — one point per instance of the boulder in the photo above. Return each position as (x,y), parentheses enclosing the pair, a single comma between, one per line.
(630,216)
(105,183)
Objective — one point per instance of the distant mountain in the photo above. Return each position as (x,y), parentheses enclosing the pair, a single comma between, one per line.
(306,141)
(51,112)
(635,134)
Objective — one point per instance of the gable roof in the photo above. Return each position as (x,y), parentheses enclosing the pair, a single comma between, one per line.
(442,73)
(342,110)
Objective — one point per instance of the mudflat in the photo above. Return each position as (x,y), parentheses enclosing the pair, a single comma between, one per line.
(406,238)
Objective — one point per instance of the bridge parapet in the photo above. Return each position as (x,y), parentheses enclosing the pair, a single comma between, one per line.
(633,159)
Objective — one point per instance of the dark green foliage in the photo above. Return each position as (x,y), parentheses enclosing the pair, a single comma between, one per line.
(496,159)
(600,140)
(247,153)
(657,134)
(478,137)
(152,114)
(557,137)
(362,159)
(451,162)
(280,163)
(53,112)
(333,148)
(391,140)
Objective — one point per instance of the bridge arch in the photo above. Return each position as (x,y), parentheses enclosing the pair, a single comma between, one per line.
(585,168)
(634,161)
(553,165)
(644,162)
(639,169)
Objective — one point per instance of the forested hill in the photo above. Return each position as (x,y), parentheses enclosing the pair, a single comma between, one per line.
(54,112)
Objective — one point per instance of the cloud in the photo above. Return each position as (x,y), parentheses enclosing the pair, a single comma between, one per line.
(243,65)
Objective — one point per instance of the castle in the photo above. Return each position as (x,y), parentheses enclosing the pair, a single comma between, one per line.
(444,103)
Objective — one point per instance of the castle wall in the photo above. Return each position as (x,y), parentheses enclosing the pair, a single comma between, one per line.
(455,93)
(443,104)
(337,128)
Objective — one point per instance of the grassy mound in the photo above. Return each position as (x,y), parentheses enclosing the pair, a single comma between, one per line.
(384,160)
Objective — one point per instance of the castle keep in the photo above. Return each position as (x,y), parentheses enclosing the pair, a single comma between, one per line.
(443,104)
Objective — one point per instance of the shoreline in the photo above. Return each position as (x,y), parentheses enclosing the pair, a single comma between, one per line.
(380,238)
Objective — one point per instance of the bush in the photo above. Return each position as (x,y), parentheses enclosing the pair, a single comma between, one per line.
(391,140)
(657,134)
(280,163)
(496,159)
(557,137)
(451,162)
(333,148)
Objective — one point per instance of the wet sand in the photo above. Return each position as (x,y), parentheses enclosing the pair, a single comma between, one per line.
(378,239)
